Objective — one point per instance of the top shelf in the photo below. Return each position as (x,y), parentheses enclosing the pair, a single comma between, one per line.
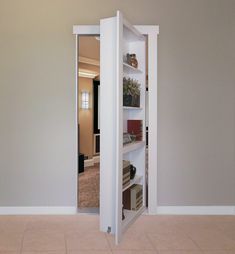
(130,69)
(130,33)
(133,146)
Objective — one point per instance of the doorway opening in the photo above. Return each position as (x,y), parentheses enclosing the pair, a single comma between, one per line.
(88,90)
(88,109)
(114,64)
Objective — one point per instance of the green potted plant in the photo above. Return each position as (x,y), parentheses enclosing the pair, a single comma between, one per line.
(131,92)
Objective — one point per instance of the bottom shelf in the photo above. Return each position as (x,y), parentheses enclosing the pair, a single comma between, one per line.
(130,217)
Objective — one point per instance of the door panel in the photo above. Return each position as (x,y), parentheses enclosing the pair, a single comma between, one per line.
(119,38)
(107,124)
(119,131)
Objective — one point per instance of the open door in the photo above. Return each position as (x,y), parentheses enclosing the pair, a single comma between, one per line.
(122,124)
(122,105)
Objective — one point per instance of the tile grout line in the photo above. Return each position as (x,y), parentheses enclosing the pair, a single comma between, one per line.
(204,250)
(23,236)
(196,244)
(187,235)
(22,241)
(65,243)
(226,235)
(149,239)
(106,237)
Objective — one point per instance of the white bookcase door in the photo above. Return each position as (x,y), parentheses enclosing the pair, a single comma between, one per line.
(117,38)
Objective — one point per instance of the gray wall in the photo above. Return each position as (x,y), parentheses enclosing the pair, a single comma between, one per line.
(196,98)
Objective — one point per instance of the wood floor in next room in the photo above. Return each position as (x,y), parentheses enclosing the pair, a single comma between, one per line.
(89,187)
(79,234)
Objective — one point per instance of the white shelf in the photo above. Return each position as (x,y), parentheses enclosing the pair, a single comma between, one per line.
(137,179)
(130,217)
(133,146)
(130,33)
(130,69)
(134,108)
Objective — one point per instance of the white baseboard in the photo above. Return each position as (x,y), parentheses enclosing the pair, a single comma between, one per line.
(196,210)
(88,163)
(37,210)
(164,210)
(96,159)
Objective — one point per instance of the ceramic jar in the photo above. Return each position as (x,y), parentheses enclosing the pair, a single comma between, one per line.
(131,60)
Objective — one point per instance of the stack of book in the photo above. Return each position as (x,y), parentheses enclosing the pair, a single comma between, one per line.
(135,127)
(133,197)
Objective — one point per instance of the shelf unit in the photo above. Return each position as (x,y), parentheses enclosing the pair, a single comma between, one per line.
(132,42)
(136,180)
(117,38)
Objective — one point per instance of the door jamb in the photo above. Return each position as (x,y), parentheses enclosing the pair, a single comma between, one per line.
(152,32)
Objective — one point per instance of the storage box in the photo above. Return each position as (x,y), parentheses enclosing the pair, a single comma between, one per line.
(133,197)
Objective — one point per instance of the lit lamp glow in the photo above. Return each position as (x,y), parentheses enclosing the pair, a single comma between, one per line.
(85,100)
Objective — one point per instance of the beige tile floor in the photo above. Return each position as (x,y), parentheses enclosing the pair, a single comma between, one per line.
(79,234)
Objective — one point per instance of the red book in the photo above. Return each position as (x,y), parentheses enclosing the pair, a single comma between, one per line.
(135,127)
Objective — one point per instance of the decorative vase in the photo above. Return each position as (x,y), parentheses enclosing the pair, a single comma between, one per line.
(132,171)
(131,60)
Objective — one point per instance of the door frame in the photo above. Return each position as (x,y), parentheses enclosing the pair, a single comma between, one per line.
(152,32)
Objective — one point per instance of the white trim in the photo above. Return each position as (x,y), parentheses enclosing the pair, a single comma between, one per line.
(90,61)
(95,29)
(85,73)
(86,30)
(40,210)
(148,29)
(196,210)
(152,32)
(76,122)
(163,210)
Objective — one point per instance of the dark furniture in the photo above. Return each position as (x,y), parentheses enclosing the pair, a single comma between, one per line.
(81,163)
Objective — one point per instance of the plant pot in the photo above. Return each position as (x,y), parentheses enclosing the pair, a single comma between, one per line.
(127,100)
(131,101)
(136,101)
